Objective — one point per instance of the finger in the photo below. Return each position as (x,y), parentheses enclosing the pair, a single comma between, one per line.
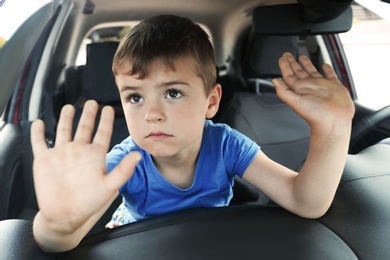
(295,66)
(125,169)
(309,67)
(38,140)
(283,92)
(287,72)
(330,73)
(105,128)
(64,128)
(87,122)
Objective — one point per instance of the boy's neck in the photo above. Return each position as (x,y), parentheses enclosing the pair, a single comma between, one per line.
(179,171)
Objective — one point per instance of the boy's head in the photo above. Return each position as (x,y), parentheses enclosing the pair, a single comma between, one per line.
(165,38)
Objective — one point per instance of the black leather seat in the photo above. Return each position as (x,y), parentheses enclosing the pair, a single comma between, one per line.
(96,81)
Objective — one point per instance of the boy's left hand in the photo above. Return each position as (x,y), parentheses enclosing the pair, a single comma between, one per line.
(324,103)
(328,108)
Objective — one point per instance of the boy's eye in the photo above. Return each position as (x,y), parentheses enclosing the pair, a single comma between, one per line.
(135,99)
(173,94)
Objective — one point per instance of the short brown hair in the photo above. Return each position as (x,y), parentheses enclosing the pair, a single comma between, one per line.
(166,38)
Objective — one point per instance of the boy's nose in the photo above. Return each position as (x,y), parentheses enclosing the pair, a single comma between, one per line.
(154,112)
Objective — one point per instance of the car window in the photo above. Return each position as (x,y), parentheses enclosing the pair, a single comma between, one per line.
(12,15)
(369,39)
(20,42)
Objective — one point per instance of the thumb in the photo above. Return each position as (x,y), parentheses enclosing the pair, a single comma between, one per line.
(125,169)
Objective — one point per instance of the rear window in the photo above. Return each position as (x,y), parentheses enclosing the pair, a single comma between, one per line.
(109,32)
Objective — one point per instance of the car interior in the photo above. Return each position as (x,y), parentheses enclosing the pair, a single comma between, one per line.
(252,225)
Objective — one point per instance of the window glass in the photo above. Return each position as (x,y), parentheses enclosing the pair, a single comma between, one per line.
(13,13)
(367,47)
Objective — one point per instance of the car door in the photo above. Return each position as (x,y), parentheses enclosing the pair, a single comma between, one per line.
(23,59)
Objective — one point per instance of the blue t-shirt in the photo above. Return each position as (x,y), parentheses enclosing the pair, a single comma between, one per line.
(224,153)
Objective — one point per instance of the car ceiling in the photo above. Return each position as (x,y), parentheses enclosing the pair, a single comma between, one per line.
(225,18)
(200,9)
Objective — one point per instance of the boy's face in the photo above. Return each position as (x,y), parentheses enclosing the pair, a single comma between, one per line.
(165,111)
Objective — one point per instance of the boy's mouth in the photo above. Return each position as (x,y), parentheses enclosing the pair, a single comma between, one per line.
(158,135)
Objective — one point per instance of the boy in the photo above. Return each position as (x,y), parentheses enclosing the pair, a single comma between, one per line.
(175,158)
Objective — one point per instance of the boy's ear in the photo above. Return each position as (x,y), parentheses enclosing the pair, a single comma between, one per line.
(214,99)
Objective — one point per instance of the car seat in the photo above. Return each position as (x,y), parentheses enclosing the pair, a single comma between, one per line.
(258,113)
(95,80)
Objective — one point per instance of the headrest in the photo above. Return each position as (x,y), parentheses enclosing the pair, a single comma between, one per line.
(99,82)
(261,59)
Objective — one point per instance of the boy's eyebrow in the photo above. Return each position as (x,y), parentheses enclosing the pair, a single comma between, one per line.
(174,82)
(164,84)
(121,89)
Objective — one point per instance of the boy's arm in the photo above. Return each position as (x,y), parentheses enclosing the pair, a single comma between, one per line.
(53,238)
(72,186)
(327,107)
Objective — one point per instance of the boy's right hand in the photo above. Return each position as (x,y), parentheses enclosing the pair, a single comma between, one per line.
(71,182)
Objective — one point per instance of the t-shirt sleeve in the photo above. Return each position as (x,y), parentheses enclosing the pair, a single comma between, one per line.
(239,152)
(113,158)
(117,153)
